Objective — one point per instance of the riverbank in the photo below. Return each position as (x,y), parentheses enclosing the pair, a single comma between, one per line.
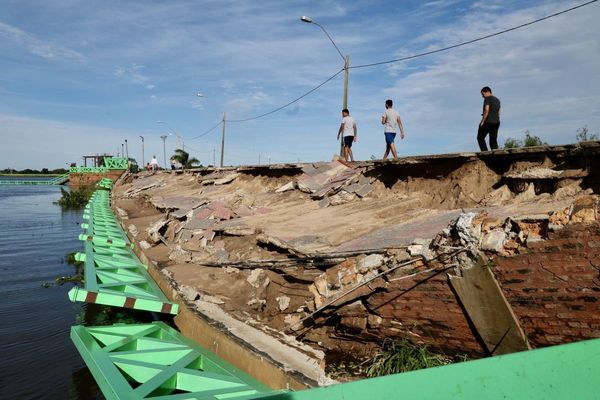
(332,259)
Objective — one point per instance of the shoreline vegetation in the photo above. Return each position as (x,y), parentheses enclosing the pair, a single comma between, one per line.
(75,199)
(33,172)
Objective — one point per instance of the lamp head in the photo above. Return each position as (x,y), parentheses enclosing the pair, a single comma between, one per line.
(306,19)
(200,94)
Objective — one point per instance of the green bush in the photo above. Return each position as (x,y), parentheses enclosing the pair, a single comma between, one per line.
(403,356)
(75,198)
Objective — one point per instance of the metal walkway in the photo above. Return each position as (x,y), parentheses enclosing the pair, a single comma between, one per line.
(58,180)
(155,361)
(114,276)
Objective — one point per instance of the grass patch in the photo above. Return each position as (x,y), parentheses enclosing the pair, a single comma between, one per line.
(403,356)
(74,199)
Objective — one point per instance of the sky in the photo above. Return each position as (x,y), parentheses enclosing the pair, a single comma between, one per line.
(82,77)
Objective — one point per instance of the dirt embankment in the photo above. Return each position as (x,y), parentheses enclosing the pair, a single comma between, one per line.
(342,256)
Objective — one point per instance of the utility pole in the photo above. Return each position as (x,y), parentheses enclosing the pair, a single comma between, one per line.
(126,150)
(122,150)
(258,158)
(223,140)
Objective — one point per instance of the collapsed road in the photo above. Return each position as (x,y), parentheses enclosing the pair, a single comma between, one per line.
(298,265)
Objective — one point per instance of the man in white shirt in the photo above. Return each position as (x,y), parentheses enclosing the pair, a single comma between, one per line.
(154,164)
(348,130)
(391,119)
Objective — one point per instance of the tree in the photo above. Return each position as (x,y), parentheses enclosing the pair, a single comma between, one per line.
(183,158)
(583,135)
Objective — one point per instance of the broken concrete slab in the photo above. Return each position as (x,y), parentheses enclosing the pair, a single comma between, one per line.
(283,302)
(493,240)
(143,184)
(370,262)
(341,197)
(488,309)
(176,202)
(226,179)
(154,229)
(180,256)
(400,235)
(197,223)
(181,213)
(243,211)
(288,186)
(133,230)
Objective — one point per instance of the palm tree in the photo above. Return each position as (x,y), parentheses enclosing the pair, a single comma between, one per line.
(183,157)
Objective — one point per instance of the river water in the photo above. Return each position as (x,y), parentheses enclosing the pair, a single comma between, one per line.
(37,358)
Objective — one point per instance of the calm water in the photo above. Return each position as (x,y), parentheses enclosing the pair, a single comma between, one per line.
(37,357)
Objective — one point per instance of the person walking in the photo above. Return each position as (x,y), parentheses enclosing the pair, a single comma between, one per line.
(154,164)
(490,120)
(348,132)
(391,119)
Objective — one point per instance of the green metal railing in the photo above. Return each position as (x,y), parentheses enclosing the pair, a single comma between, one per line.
(88,170)
(143,361)
(116,162)
(567,371)
(114,276)
(58,180)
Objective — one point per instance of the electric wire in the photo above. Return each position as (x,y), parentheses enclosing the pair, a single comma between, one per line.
(290,103)
(206,132)
(514,28)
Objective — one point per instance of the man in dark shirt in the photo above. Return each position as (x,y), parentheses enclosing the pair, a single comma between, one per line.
(490,120)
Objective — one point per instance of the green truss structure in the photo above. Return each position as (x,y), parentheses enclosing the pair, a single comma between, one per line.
(154,361)
(114,276)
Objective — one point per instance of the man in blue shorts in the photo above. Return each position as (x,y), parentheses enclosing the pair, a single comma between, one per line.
(391,119)
(348,132)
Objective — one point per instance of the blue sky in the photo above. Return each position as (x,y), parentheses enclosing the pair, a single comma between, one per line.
(79,77)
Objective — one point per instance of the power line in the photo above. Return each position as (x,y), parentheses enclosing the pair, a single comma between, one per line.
(205,133)
(473,40)
(290,103)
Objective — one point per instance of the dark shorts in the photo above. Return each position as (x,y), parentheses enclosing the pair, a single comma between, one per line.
(389,137)
(348,141)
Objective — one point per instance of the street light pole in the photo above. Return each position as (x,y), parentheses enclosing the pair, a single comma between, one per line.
(143,161)
(346,60)
(223,139)
(164,139)
(126,150)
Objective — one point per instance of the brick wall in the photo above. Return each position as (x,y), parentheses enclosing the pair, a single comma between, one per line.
(87,179)
(426,311)
(554,287)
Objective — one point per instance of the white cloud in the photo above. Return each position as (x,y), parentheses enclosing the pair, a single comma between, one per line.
(41,48)
(133,74)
